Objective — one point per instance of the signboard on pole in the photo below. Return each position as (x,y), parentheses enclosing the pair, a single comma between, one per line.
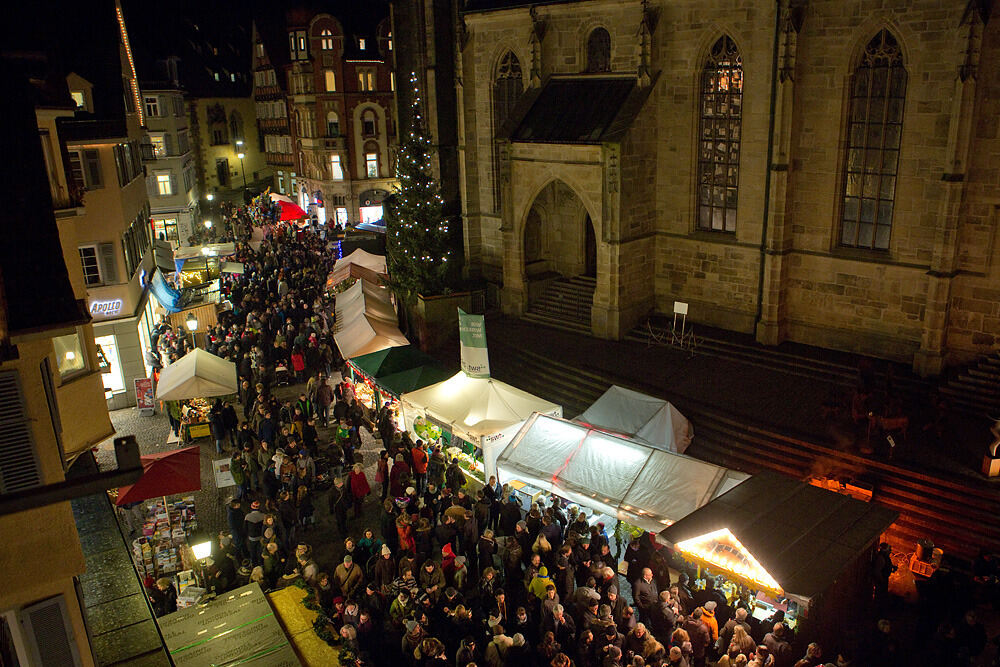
(144,396)
(472,335)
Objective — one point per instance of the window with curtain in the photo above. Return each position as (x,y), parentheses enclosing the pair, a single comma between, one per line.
(721,112)
(874,128)
(331,80)
(368,123)
(507,87)
(599,51)
(332,124)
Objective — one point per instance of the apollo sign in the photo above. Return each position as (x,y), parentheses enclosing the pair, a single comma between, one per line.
(108,308)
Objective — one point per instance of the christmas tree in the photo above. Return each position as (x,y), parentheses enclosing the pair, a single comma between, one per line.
(417,240)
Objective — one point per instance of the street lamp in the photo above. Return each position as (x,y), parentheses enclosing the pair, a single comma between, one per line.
(192,323)
(242,155)
(210,196)
(208,224)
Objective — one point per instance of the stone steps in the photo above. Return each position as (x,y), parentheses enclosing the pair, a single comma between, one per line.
(958,518)
(976,390)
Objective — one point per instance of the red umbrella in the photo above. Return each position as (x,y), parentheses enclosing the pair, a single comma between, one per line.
(164,474)
(291,211)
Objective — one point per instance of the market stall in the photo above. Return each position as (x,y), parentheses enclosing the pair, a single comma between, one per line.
(483,413)
(789,546)
(641,417)
(161,550)
(237,628)
(626,479)
(365,321)
(381,377)
(190,380)
(360,265)
(199,265)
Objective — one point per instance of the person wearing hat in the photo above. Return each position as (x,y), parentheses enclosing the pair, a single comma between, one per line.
(255,531)
(348,576)
(384,570)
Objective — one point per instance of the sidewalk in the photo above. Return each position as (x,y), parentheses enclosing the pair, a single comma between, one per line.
(780,401)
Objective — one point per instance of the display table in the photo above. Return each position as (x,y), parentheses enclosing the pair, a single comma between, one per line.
(297,622)
(162,549)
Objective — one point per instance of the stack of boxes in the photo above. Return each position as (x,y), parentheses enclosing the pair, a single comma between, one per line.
(157,552)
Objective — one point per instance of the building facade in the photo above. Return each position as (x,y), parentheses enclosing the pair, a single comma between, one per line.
(800,170)
(324,90)
(170,165)
(225,128)
(107,238)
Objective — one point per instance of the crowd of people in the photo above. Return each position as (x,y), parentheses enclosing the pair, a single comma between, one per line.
(431,570)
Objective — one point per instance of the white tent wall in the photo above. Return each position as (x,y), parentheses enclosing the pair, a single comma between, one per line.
(630,479)
(366,321)
(645,417)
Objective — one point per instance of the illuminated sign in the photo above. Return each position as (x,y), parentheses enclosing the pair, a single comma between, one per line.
(106,308)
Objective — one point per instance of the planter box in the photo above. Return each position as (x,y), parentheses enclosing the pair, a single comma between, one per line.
(435,318)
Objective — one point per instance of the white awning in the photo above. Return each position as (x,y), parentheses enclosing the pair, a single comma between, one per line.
(358,264)
(366,321)
(198,374)
(626,478)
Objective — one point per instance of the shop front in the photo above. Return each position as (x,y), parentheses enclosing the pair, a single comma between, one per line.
(779,544)
(370,204)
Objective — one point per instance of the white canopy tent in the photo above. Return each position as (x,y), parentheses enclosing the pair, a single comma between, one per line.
(366,321)
(483,411)
(198,374)
(358,258)
(637,483)
(640,416)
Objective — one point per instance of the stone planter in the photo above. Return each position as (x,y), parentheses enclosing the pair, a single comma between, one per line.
(434,319)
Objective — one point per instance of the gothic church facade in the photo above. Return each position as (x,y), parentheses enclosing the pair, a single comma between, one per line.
(823,171)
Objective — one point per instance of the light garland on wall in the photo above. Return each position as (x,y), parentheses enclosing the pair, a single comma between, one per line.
(134,81)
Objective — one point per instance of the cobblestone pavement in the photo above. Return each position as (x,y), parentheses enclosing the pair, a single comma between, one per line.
(210,502)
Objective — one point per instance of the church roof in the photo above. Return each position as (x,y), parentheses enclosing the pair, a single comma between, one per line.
(582,109)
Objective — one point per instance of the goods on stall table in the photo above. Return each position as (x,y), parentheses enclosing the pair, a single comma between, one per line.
(425,430)
(164,534)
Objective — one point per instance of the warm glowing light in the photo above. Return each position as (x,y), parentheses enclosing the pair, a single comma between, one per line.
(133,82)
(721,549)
(191,322)
(239,142)
(202,550)
(210,196)
(208,224)
(241,155)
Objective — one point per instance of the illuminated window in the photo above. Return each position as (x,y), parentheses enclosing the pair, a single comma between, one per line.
(371,164)
(79,99)
(342,217)
(336,170)
(361,44)
(166,229)
(326,40)
(331,80)
(159,143)
(70,357)
(114,381)
(390,42)
(719,152)
(366,80)
(392,81)
(875,124)
(164,185)
(260,49)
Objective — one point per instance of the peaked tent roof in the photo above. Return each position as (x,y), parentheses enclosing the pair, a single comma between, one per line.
(391,360)
(197,374)
(359,264)
(412,379)
(366,321)
(802,535)
(639,415)
(632,480)
(476,407)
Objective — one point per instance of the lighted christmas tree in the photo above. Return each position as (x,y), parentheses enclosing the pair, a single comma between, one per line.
(417,240)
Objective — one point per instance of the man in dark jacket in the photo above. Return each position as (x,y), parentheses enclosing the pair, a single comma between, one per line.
(700,637)
(646,594)
(340,500)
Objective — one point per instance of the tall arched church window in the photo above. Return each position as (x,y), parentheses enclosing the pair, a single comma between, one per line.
(721,113)
(599,51)
(874,128)
(507,87)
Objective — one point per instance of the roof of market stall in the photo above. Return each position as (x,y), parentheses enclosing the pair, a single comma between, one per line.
(366,321)
(198,374)
(632,480)
(476,407)
(641,416)
(802,536)
(358,264)
(398,370)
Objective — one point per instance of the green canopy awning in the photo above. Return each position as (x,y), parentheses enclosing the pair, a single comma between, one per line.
(391,360)
(413,379)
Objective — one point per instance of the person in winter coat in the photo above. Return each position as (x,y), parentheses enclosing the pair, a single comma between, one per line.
(699,635)
(359,488)
(418,455)
(436,467)
(340,499)
(708,618)
(432,581)
(399,477)
(645,593)
(382,472)
(404,532)
(454,478)
(164,597)
(384,571)
(348,576)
